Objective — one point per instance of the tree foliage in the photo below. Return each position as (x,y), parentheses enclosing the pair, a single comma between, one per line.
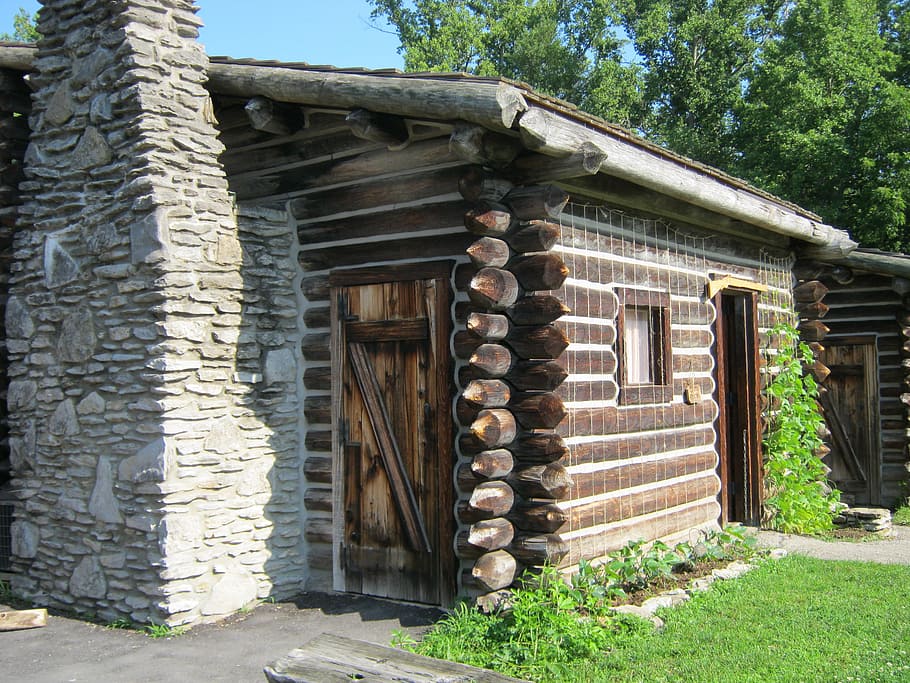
(809,99)
(24,29)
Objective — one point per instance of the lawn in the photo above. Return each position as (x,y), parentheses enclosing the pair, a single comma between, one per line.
(796,619)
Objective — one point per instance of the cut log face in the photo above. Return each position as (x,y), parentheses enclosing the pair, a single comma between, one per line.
(813,330)
(491,360)
(479,145)
(492,499)
(809,292)
(541,481)
(493,464)
(493,288)
(494,427)
(487,393)
(488,326)
(484,536)
(489,251)
(488,219)
(539,271)
(532,202)
(385,129)
(494,570)
(477,185)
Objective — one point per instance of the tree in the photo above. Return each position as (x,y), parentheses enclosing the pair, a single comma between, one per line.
(23,28)
(826,121)
(566,48)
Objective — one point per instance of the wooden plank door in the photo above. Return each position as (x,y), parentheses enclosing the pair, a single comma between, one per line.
(850,405)
(739,464)
(394,521)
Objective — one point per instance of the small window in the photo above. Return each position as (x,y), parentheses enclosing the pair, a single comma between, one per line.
(643,347)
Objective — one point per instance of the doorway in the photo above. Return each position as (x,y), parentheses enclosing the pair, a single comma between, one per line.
(739,417)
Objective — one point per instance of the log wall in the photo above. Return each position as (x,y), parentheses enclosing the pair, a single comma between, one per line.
(646,471)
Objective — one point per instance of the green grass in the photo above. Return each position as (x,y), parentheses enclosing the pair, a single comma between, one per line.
(901,516)
(796,619)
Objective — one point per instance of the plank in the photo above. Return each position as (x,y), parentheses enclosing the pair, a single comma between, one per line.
(388,448)
(17,620)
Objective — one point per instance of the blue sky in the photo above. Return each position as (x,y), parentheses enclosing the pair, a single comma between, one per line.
(334,32)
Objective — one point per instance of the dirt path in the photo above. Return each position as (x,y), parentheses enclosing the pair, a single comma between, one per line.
(893,550)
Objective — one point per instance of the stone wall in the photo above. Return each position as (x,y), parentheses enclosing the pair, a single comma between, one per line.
(153,336)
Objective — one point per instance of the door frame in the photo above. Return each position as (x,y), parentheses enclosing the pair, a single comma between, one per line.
(750,411)
(440,332)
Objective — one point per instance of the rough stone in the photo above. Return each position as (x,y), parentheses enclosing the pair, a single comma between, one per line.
(178,533)
(231,593)
(88,580)
(60,106)
(92,150)
(225,437)
(25,539)
(92,404)
(19,323)
(103,504)
(59,267)
(77,337)
(64,421)
(280,366)
(20,394)
(150,240)
(150,464)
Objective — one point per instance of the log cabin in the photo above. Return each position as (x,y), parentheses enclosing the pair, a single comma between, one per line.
(273,327)
(856,307)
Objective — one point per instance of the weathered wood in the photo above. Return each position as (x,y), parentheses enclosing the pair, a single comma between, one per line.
(541,481)
(318,469)
(494,427)
(318,409)
(536,310)
(318,378)
(540,517)
(535,550)
(812,311)
(489,499)
(536,168)
(537,342)
(494,570)
(610,420)
(819,371)
(476,185)
(489,251)
(489,361)
(539,271)
(809,292)
(17,620)
(534,410)
(318,440)
(488,326)
(813,330)
(328,658)
(487,393)
(273,117)
(539,447)
(318,499)
(484,536)
(535,202)
(493,288)
(536,375)
(492,464)
(464,343)
(533,236)
(480,145)
(488,219)
(424,247)
(386,129)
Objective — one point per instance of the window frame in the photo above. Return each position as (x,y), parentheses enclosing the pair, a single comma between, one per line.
(660,390)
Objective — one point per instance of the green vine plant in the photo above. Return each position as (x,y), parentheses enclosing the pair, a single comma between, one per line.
(798,498)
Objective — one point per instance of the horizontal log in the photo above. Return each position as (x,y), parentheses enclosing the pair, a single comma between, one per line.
(535,550)
(809,292)
(589,362)
(465,343)
(488,326)
(532,236)
(318,469)
(539,309)
(494,427)
(590,303)
(534,410)
(602,390)
(489,251)
(484,536)
(319,317)
(535,168)
(317,499)
(813,310)
(318,409)
(530,202)
(493,288)
(488,500)
(273,117)
(613,420)
(813,330)
(538,517)
(537,342)
(405,248)
(318,530)
(477,185)
(488,219)
(318,378)
(536,375)
(543,271)
(494,570)
(479,145)
(627,475)
(541,481)
(539,447)
(318,440)
(386,129)
(316,346)
(581,332)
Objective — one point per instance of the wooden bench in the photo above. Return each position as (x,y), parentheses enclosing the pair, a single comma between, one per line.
(334,659)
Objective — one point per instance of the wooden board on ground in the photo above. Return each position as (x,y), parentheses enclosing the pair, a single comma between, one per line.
(329,659)
(16,620)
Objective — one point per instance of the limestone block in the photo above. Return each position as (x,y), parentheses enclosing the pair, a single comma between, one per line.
(232,592)
(179,533)
(150,240)
(59,267)
(103,504)
(92,150)
(77,337)
(150,464)
(228,251)
(20,394)
(25,538)
(92,404)
(280,366)
(19,322)
(64,421)
(225,437)
(88,580)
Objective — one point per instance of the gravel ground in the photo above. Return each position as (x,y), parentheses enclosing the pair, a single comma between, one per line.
(892,550)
